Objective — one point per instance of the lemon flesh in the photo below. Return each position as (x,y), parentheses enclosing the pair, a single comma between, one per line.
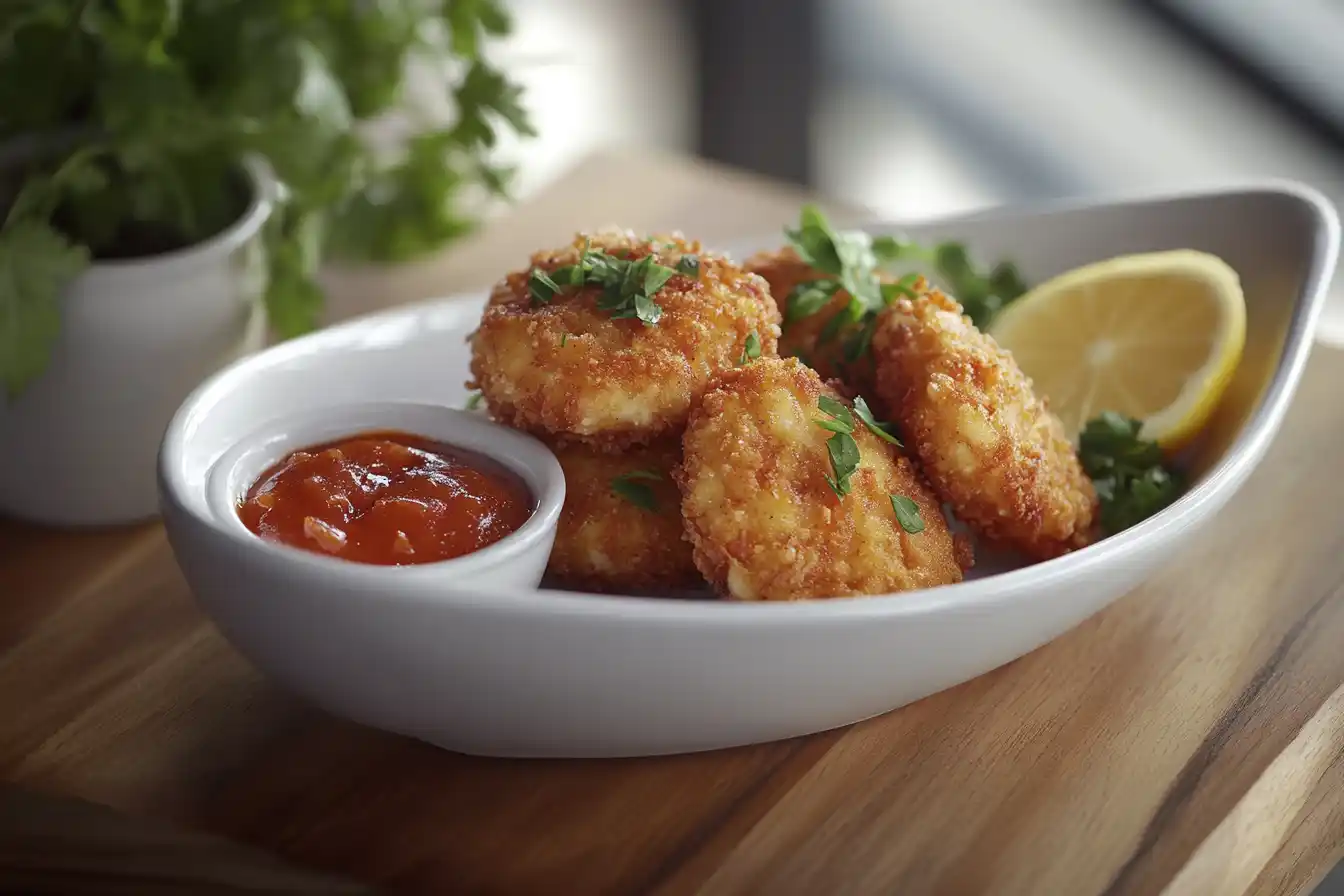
(1155,337)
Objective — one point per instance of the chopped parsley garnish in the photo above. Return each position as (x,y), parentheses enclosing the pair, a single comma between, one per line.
(907,514)
(844,453)
(564,339)
(846,258)
(981,295)
(634,487)
(853,261)
(807,298)
(848,263)
(1128,472)
(473,401)
(751,350)
(689,265)
(841,447)
(628,286)
(881,430)
(841,419)
(541,287)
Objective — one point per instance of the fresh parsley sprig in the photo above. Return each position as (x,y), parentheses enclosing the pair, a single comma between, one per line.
(849,263)
(1128,472)
(628,285)
(634,487)
(853,261)
(981,295)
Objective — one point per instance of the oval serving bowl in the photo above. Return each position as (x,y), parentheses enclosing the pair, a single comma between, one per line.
(511,672)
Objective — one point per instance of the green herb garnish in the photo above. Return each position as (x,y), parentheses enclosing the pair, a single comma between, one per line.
(907,514)
(981,295)
(473,401)
(847,257)
(689,265)
(633,487)
(856,344)
(541,287)
(751,350)
(627,286)
(807,298)
(840,447)
(839,413)
(564,339)
(853,261)
(848,261)
(881,430)
(844,454)
(902,287)
(1129,473)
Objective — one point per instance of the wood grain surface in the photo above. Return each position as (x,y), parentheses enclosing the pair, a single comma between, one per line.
(1188,740)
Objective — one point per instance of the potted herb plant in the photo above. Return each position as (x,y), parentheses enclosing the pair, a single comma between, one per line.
(172,173)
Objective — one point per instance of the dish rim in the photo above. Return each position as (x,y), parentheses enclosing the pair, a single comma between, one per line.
(1225,476)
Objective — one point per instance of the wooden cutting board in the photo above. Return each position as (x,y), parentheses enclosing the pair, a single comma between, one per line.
(1188,740)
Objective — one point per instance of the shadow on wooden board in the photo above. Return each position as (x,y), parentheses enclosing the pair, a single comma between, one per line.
(54,845)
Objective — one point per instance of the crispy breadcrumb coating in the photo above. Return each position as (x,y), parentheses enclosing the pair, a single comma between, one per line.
(762,520)
(568,371)
(606,542)
(990,447)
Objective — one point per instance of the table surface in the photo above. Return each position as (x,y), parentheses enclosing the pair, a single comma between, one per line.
(1188,740)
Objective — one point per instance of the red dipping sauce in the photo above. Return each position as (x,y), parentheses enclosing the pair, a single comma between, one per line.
(386,498)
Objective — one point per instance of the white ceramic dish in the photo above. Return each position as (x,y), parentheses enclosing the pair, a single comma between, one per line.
(508,671)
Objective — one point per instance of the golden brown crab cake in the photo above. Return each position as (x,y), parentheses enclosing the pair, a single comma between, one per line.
(621,529)
(570,371)
(762,519)
(990,447)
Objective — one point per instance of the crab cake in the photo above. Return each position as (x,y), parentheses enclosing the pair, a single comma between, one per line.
(763,520)
(990,447)
(621,529)
(578,365)
(803,335)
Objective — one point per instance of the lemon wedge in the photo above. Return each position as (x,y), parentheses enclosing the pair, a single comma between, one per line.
(1155,337)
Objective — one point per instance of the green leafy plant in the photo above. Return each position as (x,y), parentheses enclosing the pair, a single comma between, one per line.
(125,126)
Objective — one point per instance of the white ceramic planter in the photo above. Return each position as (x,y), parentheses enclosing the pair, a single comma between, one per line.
(78,446)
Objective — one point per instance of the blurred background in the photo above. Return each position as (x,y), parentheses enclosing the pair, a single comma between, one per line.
(918,109)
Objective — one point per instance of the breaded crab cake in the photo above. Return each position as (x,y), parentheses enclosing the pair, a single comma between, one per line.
(586,363)
(621,529)
(989,446)
(764,521)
